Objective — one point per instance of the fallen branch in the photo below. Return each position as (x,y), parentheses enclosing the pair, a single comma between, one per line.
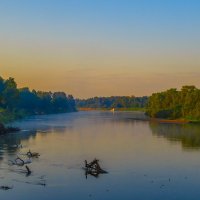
(32,154)
(19,162)
(28,170)
(93,168)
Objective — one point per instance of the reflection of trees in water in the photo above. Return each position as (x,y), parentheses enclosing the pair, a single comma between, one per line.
(10,143)
(187,134)
(13,145)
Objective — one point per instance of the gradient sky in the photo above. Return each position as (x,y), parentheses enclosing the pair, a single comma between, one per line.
(100,47)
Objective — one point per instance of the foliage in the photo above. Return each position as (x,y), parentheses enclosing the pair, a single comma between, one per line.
(173,104)
(15,102)
(118,102)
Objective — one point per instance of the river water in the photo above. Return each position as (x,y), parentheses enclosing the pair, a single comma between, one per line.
(144,160)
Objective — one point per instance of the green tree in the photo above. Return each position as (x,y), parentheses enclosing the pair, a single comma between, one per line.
(10,94)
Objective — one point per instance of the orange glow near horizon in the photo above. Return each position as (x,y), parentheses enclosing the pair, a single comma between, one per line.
(133,48)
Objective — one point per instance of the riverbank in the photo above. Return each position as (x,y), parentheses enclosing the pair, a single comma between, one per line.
(6,117)
(170,121)
(109,109)
(4,130)
(158,120)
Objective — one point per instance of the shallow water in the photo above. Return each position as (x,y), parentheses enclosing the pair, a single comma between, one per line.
(145,161)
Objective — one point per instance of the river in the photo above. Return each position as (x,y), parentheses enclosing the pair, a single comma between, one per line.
(145,160)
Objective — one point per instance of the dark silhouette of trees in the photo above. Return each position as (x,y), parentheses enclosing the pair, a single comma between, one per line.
(17,102)
(10,94)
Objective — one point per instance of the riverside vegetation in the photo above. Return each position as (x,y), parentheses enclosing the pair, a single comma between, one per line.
(117,102)
(171,104)
(20,102)
(174,104)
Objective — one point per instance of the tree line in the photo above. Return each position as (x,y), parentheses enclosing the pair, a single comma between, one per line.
(21,101)
(174,104)
(112,102)
(171,104)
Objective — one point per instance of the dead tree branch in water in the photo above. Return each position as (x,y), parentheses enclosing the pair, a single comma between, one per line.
(93,168)
(28,171)
(20,162)
(32,154)
(19,159)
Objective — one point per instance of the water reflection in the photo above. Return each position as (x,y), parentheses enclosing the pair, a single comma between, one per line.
(187,134)
(15,146)
(11,143)
(140,165)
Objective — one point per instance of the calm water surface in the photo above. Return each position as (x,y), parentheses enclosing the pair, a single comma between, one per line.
(145,161)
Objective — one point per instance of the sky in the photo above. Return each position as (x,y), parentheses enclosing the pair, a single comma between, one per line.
(100,47)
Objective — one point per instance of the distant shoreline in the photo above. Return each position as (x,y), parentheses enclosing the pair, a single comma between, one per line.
(109,109)
(157,120)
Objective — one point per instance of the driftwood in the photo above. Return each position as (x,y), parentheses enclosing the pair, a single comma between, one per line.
(93,168)
(28,171)
(32,154)
(20,162)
